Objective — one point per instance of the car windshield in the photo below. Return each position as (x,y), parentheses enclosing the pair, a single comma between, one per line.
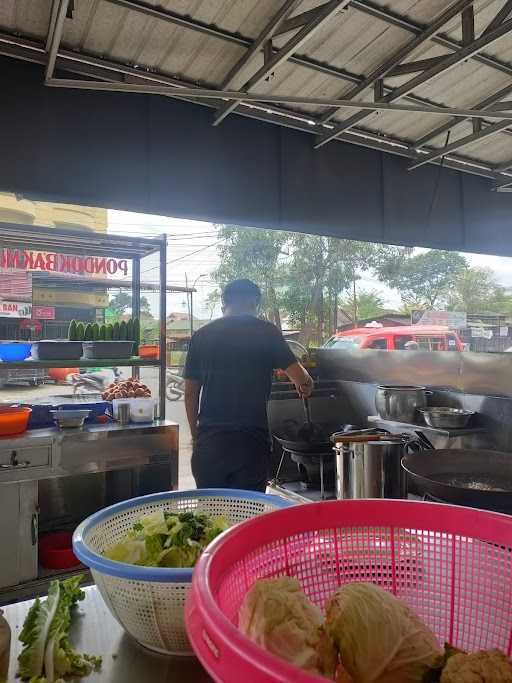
(348,342)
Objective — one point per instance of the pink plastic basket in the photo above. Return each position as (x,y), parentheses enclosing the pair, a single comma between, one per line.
(452,565)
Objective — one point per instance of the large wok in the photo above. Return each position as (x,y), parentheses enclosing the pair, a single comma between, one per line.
(476,478)
(299,446)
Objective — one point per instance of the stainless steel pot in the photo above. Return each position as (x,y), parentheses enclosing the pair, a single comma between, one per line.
(400,403)
(371,469)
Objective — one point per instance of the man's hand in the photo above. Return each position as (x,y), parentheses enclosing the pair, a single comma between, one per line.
(302,379)
(305,389)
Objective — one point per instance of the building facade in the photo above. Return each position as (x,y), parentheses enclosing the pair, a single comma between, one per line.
(54,303)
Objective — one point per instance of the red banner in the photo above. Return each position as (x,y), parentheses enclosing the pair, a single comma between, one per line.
(43,312)
(61,263)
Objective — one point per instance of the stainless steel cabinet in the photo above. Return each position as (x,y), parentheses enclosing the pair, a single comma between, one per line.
(18,533)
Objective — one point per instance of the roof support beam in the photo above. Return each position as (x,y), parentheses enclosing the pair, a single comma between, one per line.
(414,67)
(361,5)
(358,137)
(263,41)
(468,26)
(54,36)
(500,17)
(447,63)
(323,14)
(51,25)
(240,97)
(373,10)
(504,185)
(297,21)
(116,73)
(483,104)
(398,57)
(458,144)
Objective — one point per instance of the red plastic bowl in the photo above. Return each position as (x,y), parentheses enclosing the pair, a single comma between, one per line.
(56,551)
(13,420)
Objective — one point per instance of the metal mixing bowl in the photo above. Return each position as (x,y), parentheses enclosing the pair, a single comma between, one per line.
(70,418)
(446,418)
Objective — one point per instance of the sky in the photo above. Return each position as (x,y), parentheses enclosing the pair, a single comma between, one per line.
(192,257)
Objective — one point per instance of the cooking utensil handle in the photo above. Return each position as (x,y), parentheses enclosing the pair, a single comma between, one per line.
(356,432)
(307,410)
(362,438)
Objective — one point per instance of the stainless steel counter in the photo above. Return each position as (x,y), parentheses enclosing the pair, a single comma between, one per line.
(95,631)
(51,480)
(45,453)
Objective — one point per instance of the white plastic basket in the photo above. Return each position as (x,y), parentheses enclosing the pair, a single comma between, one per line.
(148,601)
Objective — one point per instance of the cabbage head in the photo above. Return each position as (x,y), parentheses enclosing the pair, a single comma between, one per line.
(277,615)
(379,638)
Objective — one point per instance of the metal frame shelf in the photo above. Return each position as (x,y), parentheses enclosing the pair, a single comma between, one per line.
(134,361)
(89,243)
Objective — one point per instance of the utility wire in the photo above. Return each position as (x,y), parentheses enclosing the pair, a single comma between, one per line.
(180,258)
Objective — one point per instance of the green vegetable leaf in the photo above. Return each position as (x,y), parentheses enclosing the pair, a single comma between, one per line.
(167,539)
(154,547)
(154,523)
(48,655)
(130,551)
(35,633)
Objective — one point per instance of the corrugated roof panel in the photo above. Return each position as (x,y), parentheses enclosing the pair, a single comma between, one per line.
(8,14)
(353,41)
(201,59)
(464,85)
(494,149)
(76,30)
(419,11)
(247,17)
(28,17)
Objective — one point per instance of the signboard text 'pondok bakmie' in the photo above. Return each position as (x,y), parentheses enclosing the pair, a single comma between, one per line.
(61,263)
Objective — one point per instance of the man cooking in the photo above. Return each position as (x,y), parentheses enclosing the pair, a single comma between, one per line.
(229,367)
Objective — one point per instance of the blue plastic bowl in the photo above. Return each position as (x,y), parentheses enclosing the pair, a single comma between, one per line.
(10,351)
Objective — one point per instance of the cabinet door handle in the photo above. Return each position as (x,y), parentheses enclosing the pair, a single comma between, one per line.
(33,528)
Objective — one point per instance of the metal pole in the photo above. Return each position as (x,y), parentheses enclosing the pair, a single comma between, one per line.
(163,322)
(355,300)
(136,300)
(191,316)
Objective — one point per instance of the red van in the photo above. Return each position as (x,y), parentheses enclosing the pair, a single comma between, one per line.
(427,338)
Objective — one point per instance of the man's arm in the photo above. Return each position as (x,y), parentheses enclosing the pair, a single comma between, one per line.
(192,391)
(301,378)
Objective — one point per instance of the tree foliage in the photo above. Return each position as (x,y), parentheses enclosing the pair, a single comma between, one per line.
(475,290)
(368,304)
(307,279)
(424,280)
(301,276)
(122,301)
(253,254)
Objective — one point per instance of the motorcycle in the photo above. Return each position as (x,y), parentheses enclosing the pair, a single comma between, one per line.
(96,382)
(174,386)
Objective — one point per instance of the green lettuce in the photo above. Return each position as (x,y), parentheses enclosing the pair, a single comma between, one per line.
(47,654)
(167,539)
